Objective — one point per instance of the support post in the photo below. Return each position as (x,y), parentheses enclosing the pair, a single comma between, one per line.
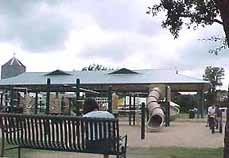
(130,112)
(110,99)
(6,99)
(48,95)
(1,99)
(167,102)
(134,108)
(12,98)
(17,95)
(77,96)
(199,104)
(41,106)
(36,102)
(202,104)
(143,122)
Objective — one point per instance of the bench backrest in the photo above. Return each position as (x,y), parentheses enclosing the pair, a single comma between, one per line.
(58,132)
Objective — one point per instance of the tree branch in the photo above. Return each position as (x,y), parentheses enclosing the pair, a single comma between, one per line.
(218,21)
(191,15)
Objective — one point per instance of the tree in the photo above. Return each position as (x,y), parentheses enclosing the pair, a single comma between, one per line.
(193,13)
(186,102)
(214,75)
(96,67)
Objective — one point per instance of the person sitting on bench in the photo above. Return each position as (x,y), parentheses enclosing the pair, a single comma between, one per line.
(91,109)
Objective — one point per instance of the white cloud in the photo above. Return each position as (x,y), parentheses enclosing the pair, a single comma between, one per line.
(117,33)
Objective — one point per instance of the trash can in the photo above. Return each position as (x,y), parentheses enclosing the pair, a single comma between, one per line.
(191,114)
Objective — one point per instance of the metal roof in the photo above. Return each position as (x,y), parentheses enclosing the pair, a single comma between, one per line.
(145,76)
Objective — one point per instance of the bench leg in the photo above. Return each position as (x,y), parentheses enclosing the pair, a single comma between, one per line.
(105,156)
(121,156)
(2,147)
(19,152)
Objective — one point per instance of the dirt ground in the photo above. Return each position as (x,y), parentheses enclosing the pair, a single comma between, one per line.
(180,133)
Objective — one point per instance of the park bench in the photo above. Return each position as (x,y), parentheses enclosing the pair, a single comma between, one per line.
(62,133)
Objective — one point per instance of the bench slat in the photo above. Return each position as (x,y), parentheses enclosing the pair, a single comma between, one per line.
(80,136)
(66,131)
(69,135)
(37,137)
(41,133)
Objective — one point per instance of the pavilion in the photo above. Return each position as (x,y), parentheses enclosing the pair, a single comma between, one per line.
(123,80)
(131,82)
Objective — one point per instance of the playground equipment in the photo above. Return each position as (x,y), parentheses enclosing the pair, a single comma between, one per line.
(27,103)
(54,105)
(156,112)
(174,110)
(58,105)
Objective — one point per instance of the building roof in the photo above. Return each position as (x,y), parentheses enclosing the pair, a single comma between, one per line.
(143,77)
(13,61)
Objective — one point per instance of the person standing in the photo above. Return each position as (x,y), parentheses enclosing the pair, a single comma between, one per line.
(211,117)
(218,118)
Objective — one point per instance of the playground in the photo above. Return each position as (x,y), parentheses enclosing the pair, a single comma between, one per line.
(187,134)
(55,134)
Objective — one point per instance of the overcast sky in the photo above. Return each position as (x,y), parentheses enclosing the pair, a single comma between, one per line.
(67,35)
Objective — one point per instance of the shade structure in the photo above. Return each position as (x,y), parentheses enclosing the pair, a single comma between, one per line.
(140,81)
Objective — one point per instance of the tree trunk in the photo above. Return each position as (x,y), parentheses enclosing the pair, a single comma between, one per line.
(226,137)
(223,6)
(225,18)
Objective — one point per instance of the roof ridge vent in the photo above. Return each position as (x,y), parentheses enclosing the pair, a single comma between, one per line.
(57,72)
(123,71)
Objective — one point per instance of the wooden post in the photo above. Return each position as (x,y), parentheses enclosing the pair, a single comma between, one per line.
(77,97)
(48,95)
(143,122)
(36,102)
(110,99)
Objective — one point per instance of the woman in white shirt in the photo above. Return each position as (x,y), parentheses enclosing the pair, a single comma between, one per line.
(211,117)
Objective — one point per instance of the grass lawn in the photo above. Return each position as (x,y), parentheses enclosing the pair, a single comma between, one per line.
(160,152)
(176,152)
